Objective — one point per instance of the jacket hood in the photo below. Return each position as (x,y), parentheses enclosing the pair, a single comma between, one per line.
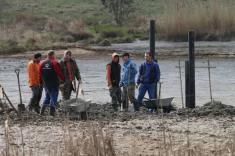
(114,54)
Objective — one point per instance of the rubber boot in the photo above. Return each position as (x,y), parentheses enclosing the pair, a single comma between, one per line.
(52,111)
(37,108)
(43,110)
(136,106)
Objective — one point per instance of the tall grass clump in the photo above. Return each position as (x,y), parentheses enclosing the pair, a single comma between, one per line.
(211,19)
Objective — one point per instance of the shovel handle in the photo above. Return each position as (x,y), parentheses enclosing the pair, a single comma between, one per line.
(77,89)
(17,71)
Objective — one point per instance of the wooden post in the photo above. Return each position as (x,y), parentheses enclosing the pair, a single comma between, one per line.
(181,85)
(187,90)
(209,75)
(152,38)
(152,32)
(190,88)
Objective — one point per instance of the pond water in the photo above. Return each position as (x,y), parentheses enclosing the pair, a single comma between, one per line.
(94,83)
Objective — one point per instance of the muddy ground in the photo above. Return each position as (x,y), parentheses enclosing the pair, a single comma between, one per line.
(206,130)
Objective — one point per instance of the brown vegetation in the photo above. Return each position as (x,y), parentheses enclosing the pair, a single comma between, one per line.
(211,19)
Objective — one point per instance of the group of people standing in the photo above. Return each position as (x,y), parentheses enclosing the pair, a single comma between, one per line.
(125,77)
(52,76)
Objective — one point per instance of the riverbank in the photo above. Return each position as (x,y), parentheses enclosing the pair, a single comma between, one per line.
(137,49)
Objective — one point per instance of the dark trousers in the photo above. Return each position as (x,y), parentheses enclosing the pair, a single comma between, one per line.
(116,95)
(36,97)
(143,88)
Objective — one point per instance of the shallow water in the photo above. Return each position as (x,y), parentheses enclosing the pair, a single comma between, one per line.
(94,83)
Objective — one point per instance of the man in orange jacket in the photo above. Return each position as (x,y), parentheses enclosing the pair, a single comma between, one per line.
(34,82)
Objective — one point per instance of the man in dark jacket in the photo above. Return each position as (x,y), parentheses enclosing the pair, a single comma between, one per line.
(50,75)
(113,74)
(149,75)
(70,71)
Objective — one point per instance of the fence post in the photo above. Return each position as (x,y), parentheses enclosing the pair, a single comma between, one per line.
(152,38)
(187,90)
(190,70)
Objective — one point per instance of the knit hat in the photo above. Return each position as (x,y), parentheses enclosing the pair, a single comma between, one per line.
(37,55)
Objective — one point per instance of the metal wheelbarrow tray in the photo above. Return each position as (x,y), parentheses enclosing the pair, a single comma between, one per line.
(165,104)
(76,107)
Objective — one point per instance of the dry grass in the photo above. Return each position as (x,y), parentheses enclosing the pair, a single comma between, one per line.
(211,19)
(95,140)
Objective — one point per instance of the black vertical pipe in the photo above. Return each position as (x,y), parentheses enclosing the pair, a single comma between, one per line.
(187,86)
(191,87)
(152,38)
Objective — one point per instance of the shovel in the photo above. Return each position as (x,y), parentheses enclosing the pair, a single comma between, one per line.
(21,106)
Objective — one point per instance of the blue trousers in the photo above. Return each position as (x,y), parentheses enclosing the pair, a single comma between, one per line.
(143,88)
(51,96)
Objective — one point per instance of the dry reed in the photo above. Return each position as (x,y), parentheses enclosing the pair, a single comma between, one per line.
(211,19)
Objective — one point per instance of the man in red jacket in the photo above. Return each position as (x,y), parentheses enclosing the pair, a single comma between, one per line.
(50,75)
(113,71)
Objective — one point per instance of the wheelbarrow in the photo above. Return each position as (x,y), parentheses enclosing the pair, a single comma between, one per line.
(76,107)
(21,106)
(165,104)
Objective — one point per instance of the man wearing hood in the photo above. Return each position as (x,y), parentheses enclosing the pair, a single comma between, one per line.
(71,72)
(113,71)
(129,72)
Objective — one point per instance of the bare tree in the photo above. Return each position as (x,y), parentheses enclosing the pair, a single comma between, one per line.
(119,8)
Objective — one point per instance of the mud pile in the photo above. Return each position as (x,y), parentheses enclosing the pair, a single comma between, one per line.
(214,108)
(106,112)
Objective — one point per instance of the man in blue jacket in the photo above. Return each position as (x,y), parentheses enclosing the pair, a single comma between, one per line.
(149,75)
(127,81)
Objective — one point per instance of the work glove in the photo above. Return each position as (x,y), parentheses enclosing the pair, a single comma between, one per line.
(61,86)
(121,85)
(110,87)
(137,86)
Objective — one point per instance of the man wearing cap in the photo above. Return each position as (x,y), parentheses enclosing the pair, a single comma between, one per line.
(149,75)
(70,71)
(51,76)
(34,82)
(129,72)
(113,71)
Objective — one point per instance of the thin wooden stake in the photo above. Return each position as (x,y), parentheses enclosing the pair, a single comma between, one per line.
(181,86)
(209,75)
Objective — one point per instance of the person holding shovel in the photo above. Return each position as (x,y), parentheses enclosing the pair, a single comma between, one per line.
(129,72)
(34,82)
(71,72)
(51,76)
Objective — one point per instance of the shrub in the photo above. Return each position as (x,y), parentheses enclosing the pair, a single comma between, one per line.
(10,46)
(109,31)
(77,30)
